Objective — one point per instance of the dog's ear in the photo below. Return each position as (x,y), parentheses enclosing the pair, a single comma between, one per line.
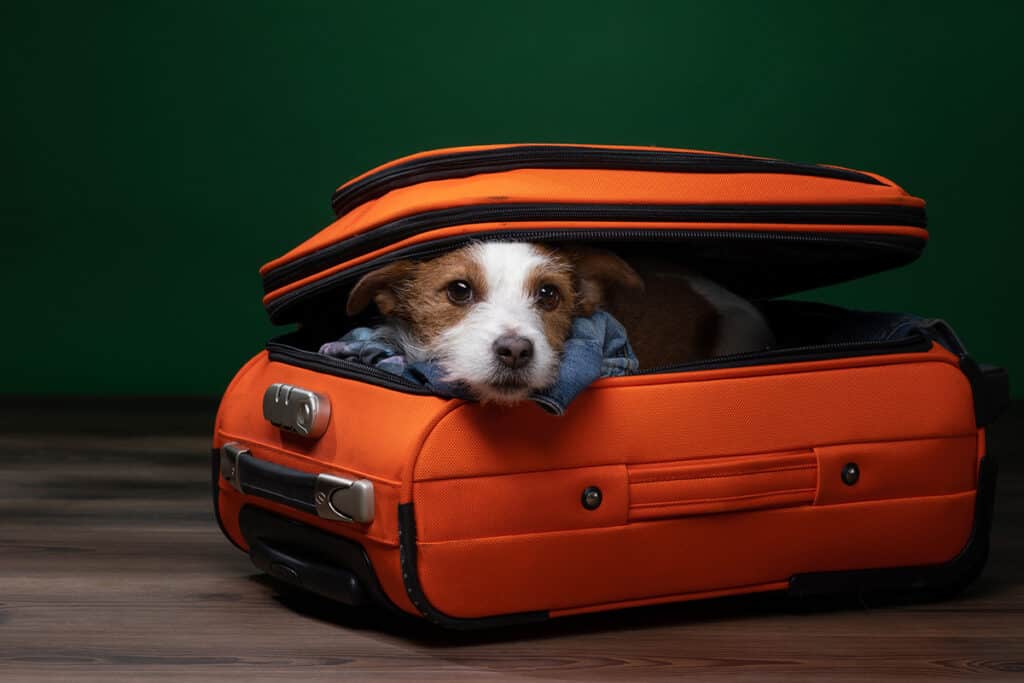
(600,275)
(379,286)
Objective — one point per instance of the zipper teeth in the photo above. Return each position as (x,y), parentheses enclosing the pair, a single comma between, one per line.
(280,277)
(427,250)
(462,164)
(282,352)
(344,368)
(433,220)
(790,351)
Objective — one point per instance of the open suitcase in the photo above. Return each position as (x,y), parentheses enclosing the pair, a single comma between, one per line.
(850,458)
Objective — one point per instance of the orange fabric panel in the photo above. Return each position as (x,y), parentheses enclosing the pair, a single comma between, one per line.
(375,440)
(713,485)
(477,507)
(591,186)
(906,468)
(674,417)
(571,569)
(229,504)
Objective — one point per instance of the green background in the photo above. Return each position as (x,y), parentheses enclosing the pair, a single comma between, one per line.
(155,154)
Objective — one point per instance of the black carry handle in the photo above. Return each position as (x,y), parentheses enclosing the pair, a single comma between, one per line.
(310,558)
(303,572)
(995,393)
(274,482)
(990,385)
(324,495)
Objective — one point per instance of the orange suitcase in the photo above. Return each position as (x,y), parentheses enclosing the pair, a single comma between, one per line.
(851,458)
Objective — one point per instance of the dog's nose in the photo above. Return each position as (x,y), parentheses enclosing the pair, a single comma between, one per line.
(514,351)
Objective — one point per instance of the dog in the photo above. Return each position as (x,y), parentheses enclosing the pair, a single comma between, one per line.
(496,315)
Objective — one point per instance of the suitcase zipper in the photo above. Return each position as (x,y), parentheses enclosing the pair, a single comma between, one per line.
(450,165)
(318,362)
(914,342)
(410,226)
(910,245)
(917,342)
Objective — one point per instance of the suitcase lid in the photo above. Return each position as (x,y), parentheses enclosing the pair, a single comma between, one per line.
(761,227)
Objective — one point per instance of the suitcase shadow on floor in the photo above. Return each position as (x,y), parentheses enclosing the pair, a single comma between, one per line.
(771,605)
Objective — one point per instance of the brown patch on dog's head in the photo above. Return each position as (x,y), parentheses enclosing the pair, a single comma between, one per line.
(601,278)
(556,272)
(381,286)
(416,292)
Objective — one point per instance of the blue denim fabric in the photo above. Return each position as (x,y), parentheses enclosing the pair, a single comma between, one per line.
(597,347)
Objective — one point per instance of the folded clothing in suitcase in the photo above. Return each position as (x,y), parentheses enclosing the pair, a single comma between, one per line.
(850,457)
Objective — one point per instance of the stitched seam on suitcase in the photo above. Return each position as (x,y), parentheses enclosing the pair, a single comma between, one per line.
(726,499)
(721,475)
(723,484)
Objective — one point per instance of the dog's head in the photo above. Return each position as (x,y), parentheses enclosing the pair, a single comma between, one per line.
(494,315)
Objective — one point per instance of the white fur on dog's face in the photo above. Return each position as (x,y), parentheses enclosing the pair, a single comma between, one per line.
(511,285)
(507,305)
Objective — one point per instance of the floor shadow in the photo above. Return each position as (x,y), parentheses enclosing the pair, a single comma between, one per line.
(748,607)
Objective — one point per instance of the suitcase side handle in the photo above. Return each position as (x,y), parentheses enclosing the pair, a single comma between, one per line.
(324,495)
(990,384)
(991,387)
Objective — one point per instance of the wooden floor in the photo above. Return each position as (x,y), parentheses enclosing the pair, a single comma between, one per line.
(112,568)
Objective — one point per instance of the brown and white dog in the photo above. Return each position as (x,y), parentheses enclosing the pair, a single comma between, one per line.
(495,315)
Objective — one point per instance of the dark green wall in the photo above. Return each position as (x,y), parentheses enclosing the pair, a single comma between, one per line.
(155,154)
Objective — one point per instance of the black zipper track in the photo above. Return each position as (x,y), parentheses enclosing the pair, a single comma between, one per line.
(317,362)
(409,226)
(275,308)
(916,342)
(464,164)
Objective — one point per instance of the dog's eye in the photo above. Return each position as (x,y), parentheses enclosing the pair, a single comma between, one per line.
(460,292)
(548,297)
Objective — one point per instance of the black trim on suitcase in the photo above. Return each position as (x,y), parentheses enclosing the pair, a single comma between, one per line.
(451,165)
(949,577)
(280,351)
(990,386)
(309,558)
(882,251)
(339,367)
(414,589)
(409,226)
